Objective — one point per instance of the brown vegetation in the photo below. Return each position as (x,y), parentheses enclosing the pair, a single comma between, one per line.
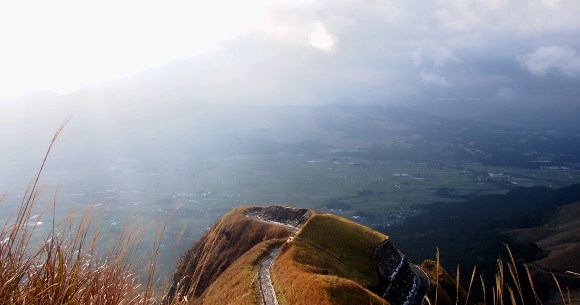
(329,262)
(241,279)
(65,268)
(228,240)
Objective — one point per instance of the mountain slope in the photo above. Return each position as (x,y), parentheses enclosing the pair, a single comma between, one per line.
(303,256)
(559,237)
(230,239)
(330,262)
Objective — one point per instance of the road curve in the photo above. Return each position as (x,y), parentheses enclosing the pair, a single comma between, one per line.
(422,286)
(266,287)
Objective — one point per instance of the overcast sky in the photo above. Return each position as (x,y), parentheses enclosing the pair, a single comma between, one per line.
(311,51)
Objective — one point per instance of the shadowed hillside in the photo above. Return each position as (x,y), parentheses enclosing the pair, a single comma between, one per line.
(558,237)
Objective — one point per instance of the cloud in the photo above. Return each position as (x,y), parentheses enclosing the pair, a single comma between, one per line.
(321,39)
(438,57)
(432,78)
(556,58)
(505,93)
(382,51)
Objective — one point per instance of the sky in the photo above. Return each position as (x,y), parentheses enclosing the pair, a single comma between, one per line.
(363,51)
(64,45)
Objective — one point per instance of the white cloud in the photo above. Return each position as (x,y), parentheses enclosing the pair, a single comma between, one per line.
(551,59)
(432,78)
(321,39)
(551,3)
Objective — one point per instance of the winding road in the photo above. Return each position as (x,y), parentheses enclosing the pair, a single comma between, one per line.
(422,286)
(266,287)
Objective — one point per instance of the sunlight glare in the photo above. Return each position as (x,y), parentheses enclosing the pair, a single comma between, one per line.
(64,45)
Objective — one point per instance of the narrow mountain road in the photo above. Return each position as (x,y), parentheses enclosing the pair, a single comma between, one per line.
(266,287)
(421,287)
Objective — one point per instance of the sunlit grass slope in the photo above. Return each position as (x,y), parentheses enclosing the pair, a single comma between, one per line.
(228,240)
(238,284)
(329,262)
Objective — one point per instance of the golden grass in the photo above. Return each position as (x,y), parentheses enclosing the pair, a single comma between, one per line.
(230,238)
(331,261)
(240,278)
(508,286)
(65,268)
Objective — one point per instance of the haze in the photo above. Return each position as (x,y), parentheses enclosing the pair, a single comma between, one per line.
(251,102)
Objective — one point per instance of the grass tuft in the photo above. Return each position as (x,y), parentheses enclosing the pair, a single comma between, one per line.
(506,289)
(64,267)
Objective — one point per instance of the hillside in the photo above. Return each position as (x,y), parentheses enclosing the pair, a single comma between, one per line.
(234,236)
(301,256)
(559,239)
(470,233)
(331,262)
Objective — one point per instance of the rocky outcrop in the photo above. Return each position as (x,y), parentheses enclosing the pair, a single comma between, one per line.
(290,216)
(406,283)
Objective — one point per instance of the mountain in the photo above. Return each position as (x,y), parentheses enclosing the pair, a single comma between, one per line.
(558,237)
(471,232)
(285,255)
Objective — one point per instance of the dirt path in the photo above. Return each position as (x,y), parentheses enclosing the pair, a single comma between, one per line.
(266,287)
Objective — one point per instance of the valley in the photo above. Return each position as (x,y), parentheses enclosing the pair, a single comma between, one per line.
(373,165)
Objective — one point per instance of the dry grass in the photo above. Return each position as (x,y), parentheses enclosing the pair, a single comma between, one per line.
(64,267)
(228,240)
(331,261)
(508,287)
(241,279)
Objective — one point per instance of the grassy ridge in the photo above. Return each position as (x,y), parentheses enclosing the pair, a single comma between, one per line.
(228,240)
(339,247)
(329,262)
(240,278)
